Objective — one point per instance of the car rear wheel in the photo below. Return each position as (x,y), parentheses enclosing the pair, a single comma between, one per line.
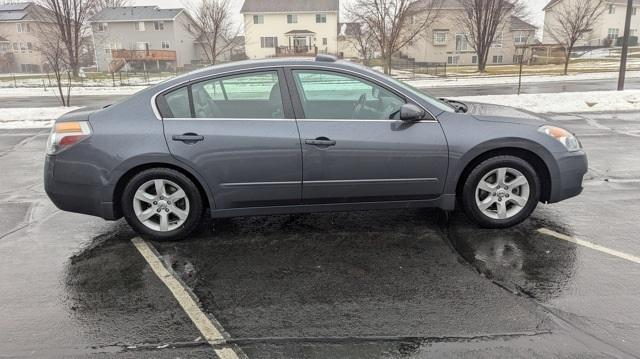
(162,204)
(501,192)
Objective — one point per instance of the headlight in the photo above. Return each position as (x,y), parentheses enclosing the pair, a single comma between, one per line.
(66,134)
(565,137)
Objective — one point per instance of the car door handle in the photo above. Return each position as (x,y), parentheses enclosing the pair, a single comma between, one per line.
(188,138)
(320,141)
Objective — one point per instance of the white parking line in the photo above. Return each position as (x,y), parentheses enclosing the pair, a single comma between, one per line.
(593,246)
(209,331)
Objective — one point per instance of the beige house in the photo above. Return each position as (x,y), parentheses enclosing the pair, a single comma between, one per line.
(275,28)
(19,26)
(606,31)
(447,42)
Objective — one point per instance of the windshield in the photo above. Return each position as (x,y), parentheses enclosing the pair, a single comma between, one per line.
(431,100)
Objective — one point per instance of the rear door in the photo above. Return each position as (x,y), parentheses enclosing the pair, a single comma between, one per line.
(238,131)
(355,148)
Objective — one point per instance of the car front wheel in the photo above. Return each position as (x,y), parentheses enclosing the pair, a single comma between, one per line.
(501,192)
(162,204)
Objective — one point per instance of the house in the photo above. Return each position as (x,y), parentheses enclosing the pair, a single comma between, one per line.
(143,38)
(290,28)
(446,41)
(348,47)
(19,26)
(608,28)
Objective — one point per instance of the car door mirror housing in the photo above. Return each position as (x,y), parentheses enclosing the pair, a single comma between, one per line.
(411,112)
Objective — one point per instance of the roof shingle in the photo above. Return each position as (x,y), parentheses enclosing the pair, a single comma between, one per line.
(135,13)
(253,6)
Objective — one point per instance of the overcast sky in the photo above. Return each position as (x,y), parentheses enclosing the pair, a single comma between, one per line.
(535,6)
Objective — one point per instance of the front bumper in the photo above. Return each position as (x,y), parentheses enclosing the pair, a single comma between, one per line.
(79,196)
(572,167)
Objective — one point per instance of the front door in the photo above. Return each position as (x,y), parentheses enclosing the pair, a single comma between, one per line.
(355,149)
(241,136)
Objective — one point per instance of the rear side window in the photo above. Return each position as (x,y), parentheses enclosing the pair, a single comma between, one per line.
(252,95)
(178,103)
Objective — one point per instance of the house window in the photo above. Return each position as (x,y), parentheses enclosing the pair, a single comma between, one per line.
(258,19)
(497,59)
(30,47)
(461,42)
(520,37)
(158,25)
(143,46)
(612,34)
(102,27)
(140,26)
(165,44)
(321,18)
(15,46)
(292,19)
(23,47)
(517,59)
(612,9)
(268,42)
(23,27)
(497,40)
(439,38)
(324,41)
(474,59)
(453,60)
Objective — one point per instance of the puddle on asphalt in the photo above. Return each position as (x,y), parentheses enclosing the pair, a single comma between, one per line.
(519,259)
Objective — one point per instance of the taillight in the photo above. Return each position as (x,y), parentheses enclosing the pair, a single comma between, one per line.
(66,134)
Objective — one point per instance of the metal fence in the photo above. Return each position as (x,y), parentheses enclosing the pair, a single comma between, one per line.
(412,68)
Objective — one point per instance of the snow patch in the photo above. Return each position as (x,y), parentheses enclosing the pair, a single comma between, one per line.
(597,101)
(42,117)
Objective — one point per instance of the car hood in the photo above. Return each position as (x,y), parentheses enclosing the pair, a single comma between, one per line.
(497,113)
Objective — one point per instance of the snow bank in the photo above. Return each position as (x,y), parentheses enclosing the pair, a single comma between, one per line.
(76,91)
(598,101)
(31,117)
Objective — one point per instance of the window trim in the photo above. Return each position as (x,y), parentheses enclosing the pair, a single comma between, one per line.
(290,104)
(160,105)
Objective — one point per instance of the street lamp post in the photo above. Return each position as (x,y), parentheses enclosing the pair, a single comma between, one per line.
(625,46)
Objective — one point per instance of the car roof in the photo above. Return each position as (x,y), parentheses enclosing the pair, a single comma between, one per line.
(325,61)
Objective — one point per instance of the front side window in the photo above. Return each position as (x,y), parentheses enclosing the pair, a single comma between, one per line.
(254,95)
(292,19)
(331,95)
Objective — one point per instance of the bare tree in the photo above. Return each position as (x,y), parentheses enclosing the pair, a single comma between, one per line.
(484,20)
(68,18)
(571,21)
(213,27)
(394,24)
(54,51)
(362,40)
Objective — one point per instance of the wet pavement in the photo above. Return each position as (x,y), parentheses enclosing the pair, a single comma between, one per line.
(391,284)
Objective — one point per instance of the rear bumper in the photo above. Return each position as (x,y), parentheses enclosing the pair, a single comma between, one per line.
(76,197)
(572,168)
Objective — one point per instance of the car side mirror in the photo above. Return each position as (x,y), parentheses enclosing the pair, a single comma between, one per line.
(410,112)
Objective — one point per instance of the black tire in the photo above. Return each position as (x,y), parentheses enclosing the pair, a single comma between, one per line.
(194,216)
(473,179)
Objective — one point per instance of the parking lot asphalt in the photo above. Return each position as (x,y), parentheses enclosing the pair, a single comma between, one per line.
(393,284)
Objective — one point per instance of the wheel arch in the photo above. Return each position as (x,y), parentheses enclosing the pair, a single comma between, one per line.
(539,164)
(207,198)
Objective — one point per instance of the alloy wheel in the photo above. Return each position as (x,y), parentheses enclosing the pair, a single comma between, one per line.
(161,205)
(502,193)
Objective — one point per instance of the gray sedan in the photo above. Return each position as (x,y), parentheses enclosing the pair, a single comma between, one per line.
(302,135)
